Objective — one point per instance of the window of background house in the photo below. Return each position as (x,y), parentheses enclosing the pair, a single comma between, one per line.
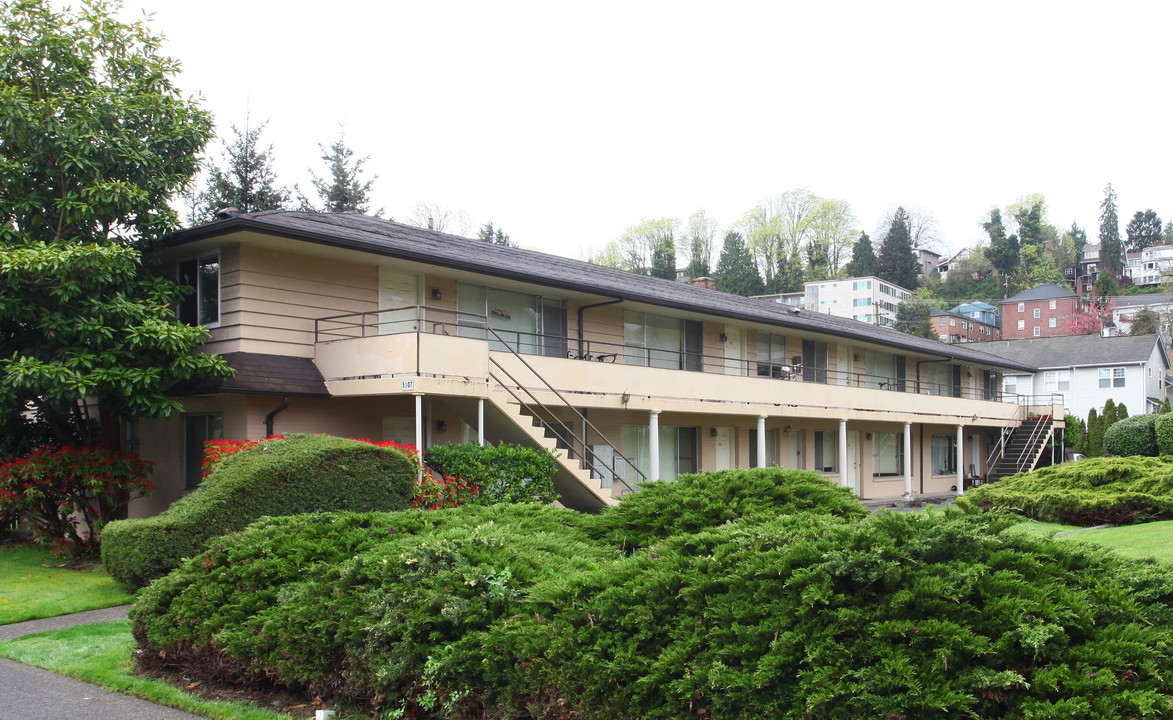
(887,454)
(944,454)
(202,275)
(1038,331)
(1051,322)
(771,447)
(1057,381)
(826,451)
(1022,324)
(1111,377)
(1038,313)
(1052,304)
(1021,307)
(198,429)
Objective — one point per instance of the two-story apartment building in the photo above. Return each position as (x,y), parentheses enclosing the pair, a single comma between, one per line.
(982,312)
(1087,370)
(356,326)
(866,299)
(1043,311)
(953,327)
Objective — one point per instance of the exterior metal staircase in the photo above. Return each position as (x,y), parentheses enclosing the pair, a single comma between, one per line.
(1020,451)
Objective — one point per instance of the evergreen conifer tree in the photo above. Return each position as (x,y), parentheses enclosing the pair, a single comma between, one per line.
(896,262)
(1095,435)
(1003,251)
(664,258)
(736,271)
(345,190)
(1110,244)
(489,235)
(247,180)
(1143,230)
(790,276)
(863,258)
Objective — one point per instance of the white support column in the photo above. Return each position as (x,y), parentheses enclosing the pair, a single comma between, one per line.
(960,460)
(481,421)
(907,460)
(844,474)
(654,445)
(419,435)
(761,441)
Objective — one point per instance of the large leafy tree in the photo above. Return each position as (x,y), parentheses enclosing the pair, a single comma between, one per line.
(1143,230)
(94,141)
(345,190)
(915,318)
(896,262)
(246,180)
(736,271)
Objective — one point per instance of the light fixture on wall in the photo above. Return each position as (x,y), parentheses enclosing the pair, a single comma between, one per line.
(868,436)
(724,337)
(436,294)
(856,357)
(974,418)
(786,431)
(441,426)
(712,432)
(625,397)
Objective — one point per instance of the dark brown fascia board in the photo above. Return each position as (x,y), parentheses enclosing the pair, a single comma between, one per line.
(239,224)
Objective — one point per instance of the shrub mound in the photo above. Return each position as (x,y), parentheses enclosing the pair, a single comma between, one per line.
(706,500)
(1163,429)
(1134,435)
(1117,490)
(502,473)
(302,473)
(513,611)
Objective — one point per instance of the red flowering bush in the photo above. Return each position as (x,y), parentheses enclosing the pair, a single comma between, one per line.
(431,494)
(68,494)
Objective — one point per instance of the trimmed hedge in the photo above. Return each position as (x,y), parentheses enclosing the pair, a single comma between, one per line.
(1164,433)
(706,500)
(503,473)
(1134,435)
(302,473)
(511,611)
(1117,490)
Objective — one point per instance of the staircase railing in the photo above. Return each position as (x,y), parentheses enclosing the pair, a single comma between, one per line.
(1030,450)
(561,431)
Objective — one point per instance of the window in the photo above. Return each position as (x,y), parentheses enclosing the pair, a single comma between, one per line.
(677,451)
(1010,384)
(202,275)
(526,323)
(771,447)
(861,302)
(1052,305)
(1021,324)
(887,454)
(1057,381)
(1038,331)
(953,322)
(1038,313)
(771,354)
(662,342)
(826,451)
(1111,377)
(861,285)
(944,454)
(1021,307)
(197,430)
(1051,322)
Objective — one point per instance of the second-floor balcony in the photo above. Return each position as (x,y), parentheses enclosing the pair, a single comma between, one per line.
(430,342)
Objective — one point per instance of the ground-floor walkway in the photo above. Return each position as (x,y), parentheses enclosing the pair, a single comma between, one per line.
(28,693)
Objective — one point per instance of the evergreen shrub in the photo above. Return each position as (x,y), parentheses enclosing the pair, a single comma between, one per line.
(1164,434)
(1134,435)
(699,501)
(302,473)
(1117,490)
(503,473)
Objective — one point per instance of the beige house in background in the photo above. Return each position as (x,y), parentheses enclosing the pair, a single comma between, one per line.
(356,326)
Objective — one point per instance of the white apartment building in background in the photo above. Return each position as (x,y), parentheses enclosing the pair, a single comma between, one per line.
(867,299)
(1150,265)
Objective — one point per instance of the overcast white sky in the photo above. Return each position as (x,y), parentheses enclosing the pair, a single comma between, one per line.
(566,123)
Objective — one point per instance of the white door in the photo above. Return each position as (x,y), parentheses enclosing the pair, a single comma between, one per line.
(398,292)
(853,460)
(842,374)
(734,350)
(724,455)
(794,452)
(975,456)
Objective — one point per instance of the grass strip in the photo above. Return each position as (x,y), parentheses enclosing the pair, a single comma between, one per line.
(30,591)
(1142,540)
(101,654)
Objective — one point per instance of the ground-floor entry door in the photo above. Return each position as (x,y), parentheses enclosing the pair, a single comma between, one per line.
(853,460)
(725,454)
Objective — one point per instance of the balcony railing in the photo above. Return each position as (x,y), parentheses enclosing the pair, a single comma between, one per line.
(443,321)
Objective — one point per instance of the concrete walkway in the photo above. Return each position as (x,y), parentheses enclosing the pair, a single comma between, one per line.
(916,502)
(28,693)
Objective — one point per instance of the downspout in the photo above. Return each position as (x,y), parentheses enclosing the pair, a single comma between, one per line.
(588,307)
(272,414)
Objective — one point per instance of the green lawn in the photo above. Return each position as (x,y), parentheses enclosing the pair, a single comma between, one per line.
(1144,540)
(100,653)
(29,590)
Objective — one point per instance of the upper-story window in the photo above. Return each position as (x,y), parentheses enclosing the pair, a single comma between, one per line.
(861,302)
(1053,304)
(1057,381)
(1021,307)
(663,342)
(525,323)
(771,354)
(1038,313)
(1111,377)
(202,275)
(861,285)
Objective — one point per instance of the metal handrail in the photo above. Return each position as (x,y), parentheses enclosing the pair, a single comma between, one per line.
(609,352)
(1030,443)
